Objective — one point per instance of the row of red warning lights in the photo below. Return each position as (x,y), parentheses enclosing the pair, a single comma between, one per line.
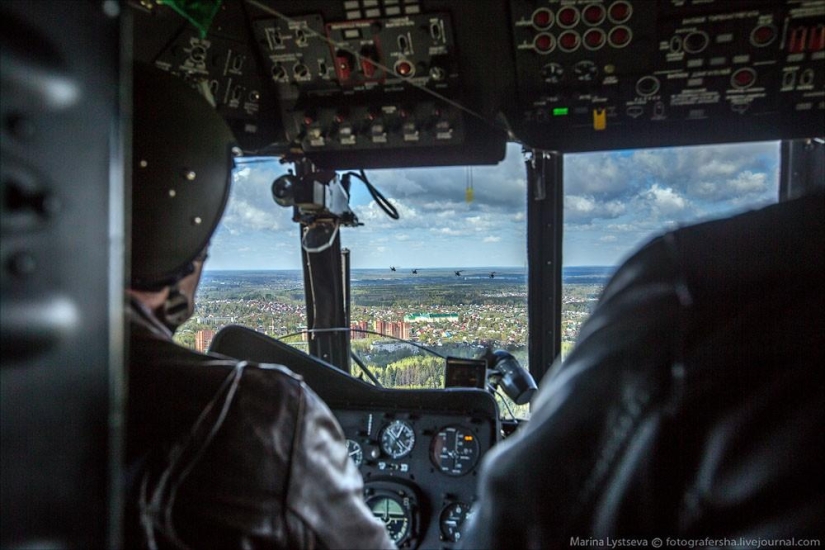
(806,39)
(594,14)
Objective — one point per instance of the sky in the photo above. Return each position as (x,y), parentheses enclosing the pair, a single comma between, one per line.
(614,202)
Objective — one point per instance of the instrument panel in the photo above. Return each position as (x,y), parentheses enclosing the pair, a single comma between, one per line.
(418,451)
(419,470)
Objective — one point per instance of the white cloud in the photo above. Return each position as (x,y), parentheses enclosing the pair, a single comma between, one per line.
(717,168)
(580,209)
(748,182)
(241,215)
(664,200)
(491,239)
(447,231)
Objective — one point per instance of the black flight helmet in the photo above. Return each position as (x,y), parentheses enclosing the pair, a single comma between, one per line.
(182,167)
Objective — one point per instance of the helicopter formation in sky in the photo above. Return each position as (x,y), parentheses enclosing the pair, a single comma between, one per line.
(457,272)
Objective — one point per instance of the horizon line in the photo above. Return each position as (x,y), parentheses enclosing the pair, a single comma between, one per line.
(405,269)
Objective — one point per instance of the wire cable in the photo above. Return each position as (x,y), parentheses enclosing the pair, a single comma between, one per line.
(365,331)
(504,399)
(364,369)
(380,199)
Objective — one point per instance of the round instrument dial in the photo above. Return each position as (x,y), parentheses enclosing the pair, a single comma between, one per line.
(396,517)
(356,453)
(452,519)
(455,450)
(397,439)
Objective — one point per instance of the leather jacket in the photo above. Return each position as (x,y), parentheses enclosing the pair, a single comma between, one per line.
(693,404)
(229,454)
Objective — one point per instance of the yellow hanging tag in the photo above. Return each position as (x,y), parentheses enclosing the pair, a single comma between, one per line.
(468,193)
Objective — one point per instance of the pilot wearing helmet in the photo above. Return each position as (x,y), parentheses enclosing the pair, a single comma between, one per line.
(220,453)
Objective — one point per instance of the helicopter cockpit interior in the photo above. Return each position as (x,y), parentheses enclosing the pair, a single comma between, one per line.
(334,88)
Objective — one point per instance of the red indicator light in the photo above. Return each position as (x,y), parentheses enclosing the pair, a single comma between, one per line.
(544,43)
(542,18)
(368,67)
(594,14)
(568,16)
(594,39)
(404,68)
(817,40)
(619,37)
(743,78)
(620,12)
(762,36)
(343,68)
(569,41)
(796,43)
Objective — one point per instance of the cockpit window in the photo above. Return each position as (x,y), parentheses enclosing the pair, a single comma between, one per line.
(449,276)
(616,201)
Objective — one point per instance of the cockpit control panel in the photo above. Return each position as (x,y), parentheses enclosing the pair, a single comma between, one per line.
(418,451)
(371,83)
(419,469)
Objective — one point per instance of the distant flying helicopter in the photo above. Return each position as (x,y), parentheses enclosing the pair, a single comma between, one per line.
(458,273)
(392,268)
(415,272)
(492,274)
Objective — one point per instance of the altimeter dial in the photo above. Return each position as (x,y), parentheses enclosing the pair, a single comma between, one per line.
(356,452)
(397,439)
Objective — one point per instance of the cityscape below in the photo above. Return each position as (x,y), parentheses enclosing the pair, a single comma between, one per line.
(395,313)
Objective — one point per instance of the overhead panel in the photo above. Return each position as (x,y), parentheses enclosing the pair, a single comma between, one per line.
(622,74)
(361,85)
(392,83)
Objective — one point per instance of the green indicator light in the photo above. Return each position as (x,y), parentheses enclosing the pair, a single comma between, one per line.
(560,111)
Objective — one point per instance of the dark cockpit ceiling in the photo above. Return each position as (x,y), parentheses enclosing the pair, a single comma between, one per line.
(378,83)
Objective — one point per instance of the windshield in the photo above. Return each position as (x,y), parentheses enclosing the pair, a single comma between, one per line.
(614,202)
(449,276)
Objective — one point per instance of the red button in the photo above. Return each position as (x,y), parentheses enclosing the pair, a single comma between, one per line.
(762,36)
(404,68)
(568,16)
(594,38)
(744,78)
(619,36)
(620,12)
(542,18)
(593,14)
(569,40)
(544,42)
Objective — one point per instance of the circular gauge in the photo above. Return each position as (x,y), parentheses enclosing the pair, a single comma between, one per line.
(397,439)
(454,450)
(356,453)
(395,516)
(452,519)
